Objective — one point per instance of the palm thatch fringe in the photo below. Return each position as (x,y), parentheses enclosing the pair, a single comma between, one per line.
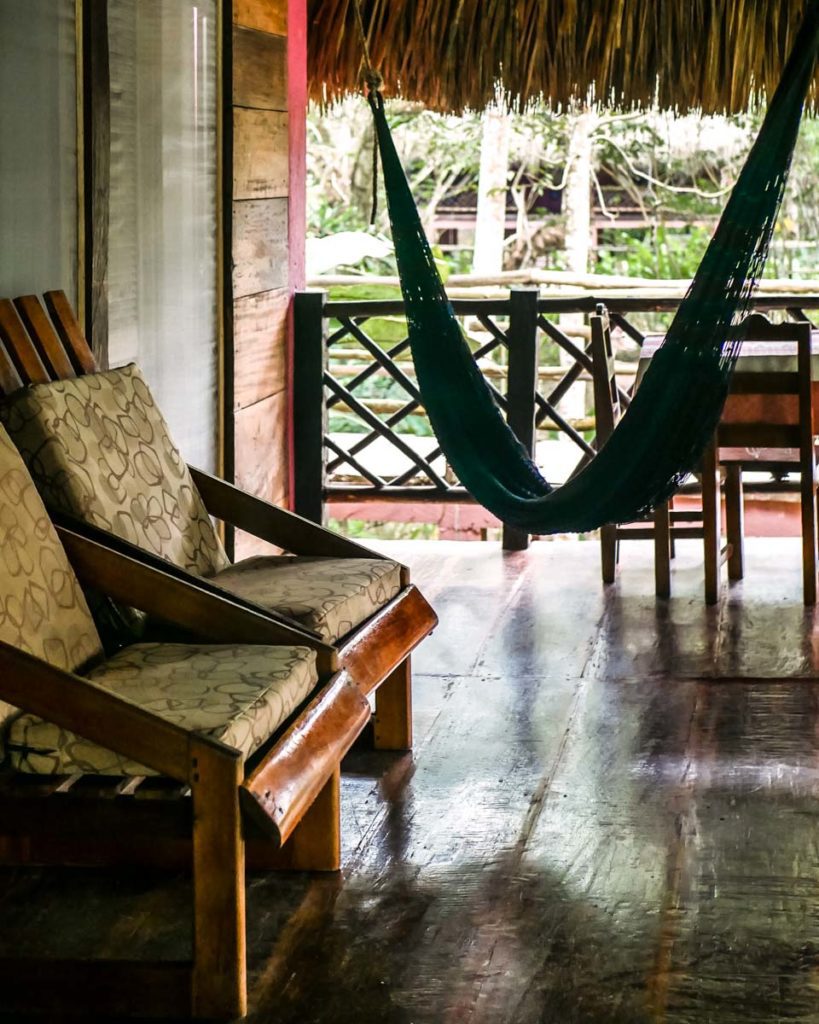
(718,56)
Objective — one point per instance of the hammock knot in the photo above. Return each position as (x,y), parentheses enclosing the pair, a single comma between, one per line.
(372,79)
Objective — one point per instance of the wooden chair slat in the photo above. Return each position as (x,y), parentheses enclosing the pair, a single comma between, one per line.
(43,335)
(70,332)
(775,382)
(754,435)
(10,379)
(20,347)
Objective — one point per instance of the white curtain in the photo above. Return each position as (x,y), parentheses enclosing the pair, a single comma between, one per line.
(38,147)
(163,227)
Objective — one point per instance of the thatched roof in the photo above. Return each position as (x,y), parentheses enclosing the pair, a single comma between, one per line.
(715,55)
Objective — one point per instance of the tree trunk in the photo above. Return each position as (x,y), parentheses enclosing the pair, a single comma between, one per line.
(490,227)
(577,211)
(577,206)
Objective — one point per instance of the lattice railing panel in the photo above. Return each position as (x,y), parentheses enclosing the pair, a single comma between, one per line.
(377,440)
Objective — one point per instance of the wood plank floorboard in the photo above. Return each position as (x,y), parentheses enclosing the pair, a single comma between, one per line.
(610,815)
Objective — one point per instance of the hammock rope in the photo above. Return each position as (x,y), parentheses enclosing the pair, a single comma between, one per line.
(662,435)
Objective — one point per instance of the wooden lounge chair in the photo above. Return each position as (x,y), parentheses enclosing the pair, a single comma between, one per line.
(202,749)
(668,524)
(362,604)
(769,423)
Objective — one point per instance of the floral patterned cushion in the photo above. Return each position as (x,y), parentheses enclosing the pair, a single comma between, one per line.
(330,595)
(99,449)
(237,694)
(42,608)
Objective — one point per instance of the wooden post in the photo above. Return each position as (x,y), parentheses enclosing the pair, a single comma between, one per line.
(97,173)
(522,385)
(309,409)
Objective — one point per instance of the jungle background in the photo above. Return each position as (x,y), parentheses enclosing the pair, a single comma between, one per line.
(582,200)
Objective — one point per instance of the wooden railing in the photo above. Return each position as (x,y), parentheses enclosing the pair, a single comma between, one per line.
(352,361)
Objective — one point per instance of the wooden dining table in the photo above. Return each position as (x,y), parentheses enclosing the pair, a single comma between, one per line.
(743,405)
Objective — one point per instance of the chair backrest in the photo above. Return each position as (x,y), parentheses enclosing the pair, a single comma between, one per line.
(775,408)
(99,450)
(37,346)
(607,406)
(42,607)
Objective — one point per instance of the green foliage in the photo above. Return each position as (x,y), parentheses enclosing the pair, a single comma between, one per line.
(652,252)
(364,529)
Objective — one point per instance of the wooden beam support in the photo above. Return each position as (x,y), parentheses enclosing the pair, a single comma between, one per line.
(97,171)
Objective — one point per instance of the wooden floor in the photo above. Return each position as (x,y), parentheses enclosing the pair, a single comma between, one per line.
(611,815)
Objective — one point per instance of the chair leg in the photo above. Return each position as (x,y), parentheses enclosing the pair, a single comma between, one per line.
(711,523)
(735,520)
(219,970)
(808,495)
(608,552)
(315,844)
(662,550)
(393,709)
(672,544)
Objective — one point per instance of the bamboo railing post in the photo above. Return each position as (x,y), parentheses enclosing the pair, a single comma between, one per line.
(309,408)
(521,387)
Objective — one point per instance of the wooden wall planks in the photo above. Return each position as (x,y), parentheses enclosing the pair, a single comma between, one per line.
(259,430)
(260,158)
(265,15)
(261,259)
(260,78)
(259,246)
(260,339)
(260,473)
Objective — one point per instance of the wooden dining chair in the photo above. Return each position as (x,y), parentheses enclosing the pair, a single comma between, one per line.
(769,423)
(362,604)
(668,524)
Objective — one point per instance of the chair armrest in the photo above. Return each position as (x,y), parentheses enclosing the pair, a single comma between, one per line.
(78,704)
(181,602)
(275,525)
(137,554)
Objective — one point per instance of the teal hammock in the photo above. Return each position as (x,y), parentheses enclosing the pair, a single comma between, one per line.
(662,435)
